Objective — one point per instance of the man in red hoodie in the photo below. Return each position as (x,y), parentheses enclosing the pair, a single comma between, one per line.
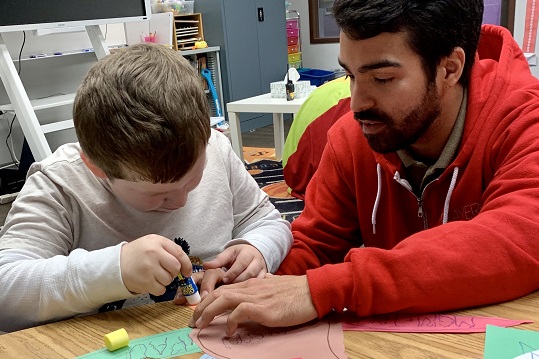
(435,171)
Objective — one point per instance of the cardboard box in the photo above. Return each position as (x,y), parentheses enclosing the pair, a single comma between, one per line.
(301,89)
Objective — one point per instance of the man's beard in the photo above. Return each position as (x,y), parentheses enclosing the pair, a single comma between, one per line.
(396,136)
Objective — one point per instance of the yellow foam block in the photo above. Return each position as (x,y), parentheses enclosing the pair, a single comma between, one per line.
(116,339)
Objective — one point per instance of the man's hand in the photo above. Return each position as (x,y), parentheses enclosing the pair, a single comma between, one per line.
(150,263)
(275,301)
(243,262)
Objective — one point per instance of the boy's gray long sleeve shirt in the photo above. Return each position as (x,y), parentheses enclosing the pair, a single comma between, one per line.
(60,246)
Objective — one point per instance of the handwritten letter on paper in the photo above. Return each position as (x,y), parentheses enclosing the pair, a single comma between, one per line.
(428,323)
(159,346)
(251,340)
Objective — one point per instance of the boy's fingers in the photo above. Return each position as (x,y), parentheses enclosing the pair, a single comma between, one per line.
(179,254)
(162,276)
(211,278)
(179,299)
(233,272)
(198,277)
(170,263)
(222,260)
(157,289)
(253,270)
(215,263)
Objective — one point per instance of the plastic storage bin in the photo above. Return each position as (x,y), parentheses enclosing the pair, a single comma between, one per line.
(294,57)
(177,7)
(293,49)
(292,41)
(292,24)
(188,7)
(292,32)
(316,77)
(295,64)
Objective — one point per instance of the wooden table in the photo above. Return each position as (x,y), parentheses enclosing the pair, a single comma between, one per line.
(74,337)
(261,104)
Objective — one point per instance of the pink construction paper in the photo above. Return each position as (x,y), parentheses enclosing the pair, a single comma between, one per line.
(320,339)
(428,323)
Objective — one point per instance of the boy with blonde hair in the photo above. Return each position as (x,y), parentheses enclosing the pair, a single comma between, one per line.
(114,217)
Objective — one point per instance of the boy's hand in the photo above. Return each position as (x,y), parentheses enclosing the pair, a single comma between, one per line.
(150,263)
(243,262)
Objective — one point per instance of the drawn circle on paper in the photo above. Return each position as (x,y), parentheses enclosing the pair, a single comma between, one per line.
(253,340)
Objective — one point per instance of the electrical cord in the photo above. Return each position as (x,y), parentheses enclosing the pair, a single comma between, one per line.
(11,154)
(11,138)
(11,149)
(20,52)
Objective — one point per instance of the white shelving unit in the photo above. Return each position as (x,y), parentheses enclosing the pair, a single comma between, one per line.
(44,103)
(25,109)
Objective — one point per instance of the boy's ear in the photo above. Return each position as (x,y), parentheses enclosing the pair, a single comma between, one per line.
(92,167)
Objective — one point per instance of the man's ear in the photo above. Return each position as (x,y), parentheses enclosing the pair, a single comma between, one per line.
(92,167)
(451,68)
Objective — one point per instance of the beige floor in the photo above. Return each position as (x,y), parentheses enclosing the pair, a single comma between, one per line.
(262,137)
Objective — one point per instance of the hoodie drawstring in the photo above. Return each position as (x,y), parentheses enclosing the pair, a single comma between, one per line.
(449,194)
(378,194)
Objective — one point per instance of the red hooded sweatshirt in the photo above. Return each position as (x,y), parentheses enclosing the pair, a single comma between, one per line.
(478,240)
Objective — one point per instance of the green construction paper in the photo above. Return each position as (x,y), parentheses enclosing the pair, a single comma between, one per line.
(163,345)
(508,343)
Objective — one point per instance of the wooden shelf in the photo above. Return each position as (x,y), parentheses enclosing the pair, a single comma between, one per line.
(187,30)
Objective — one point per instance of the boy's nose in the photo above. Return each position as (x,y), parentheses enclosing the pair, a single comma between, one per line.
(177,201)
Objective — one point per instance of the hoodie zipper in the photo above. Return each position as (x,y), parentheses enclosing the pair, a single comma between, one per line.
(420,207)
(420,212)
(406,184)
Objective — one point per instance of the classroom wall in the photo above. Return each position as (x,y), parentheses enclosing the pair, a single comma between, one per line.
(318,56)
(525,36)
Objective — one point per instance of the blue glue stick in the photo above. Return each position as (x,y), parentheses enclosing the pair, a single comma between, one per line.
(189,289)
